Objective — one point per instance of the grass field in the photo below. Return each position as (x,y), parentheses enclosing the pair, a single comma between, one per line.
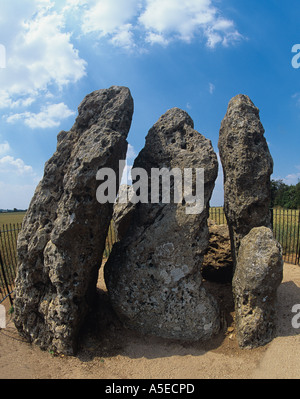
(10,218)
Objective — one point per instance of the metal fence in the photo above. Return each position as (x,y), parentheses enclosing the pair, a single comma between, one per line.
(286,227)
(8,257)
(8,260)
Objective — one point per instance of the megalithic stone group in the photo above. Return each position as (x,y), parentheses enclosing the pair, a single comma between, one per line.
(153,275)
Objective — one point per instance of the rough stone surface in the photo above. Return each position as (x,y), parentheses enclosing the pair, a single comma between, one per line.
(217,264)
(258,274)
(62,240)
(153,274)
(123,210)
(247,166)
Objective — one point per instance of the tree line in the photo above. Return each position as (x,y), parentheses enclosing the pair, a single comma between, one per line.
(285,196)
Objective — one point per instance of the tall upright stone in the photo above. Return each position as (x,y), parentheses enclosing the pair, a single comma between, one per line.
(63,235)
(153,274)
(247,166)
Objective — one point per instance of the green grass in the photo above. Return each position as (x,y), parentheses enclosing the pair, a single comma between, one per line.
(10,218)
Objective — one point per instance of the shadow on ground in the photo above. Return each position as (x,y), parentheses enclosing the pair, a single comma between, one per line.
(288,295)
(104,335)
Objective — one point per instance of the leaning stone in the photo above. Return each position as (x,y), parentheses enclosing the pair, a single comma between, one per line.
(247,166)
(63,236)
(153,274)
(258,274)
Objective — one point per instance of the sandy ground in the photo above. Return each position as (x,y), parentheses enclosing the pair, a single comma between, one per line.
(108,351)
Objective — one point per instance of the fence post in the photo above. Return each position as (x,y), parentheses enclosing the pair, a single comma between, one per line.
(272,218)
(298,242)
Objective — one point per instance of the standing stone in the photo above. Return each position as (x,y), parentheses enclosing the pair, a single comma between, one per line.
(63,236)
(258,274)
(153,274)
(247,166)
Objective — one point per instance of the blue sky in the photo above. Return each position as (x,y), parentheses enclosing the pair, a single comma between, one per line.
(191,54)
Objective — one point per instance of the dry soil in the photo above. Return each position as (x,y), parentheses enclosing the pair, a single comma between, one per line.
(108,351)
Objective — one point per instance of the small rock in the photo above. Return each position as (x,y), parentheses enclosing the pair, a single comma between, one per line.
(258,274)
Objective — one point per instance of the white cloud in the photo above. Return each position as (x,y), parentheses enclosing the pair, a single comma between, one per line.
(124,37)
(296,97)
(18,180)
(186,19)
(41,58)
(50,116)
(292,179)
(40,54)
(112,19)
(131,153)
(4,148)
(16,195)
(212,88)
(218,193)
(10,165)
(127,23)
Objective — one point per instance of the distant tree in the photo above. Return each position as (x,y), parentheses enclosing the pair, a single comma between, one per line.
(284,195)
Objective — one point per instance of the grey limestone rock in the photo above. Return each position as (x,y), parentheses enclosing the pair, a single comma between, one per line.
(217,264)
(153,274)
(247,166)
(63,236)
(258,274)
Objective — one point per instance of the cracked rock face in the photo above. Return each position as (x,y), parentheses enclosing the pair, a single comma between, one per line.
(247,166)
(63,236)
(217,265)
(257,277)
(153,274)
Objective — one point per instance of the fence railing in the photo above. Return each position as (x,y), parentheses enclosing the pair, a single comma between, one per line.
(8,259)
(286,227)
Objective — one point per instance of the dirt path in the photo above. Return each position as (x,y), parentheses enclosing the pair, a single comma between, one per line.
(111,352)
